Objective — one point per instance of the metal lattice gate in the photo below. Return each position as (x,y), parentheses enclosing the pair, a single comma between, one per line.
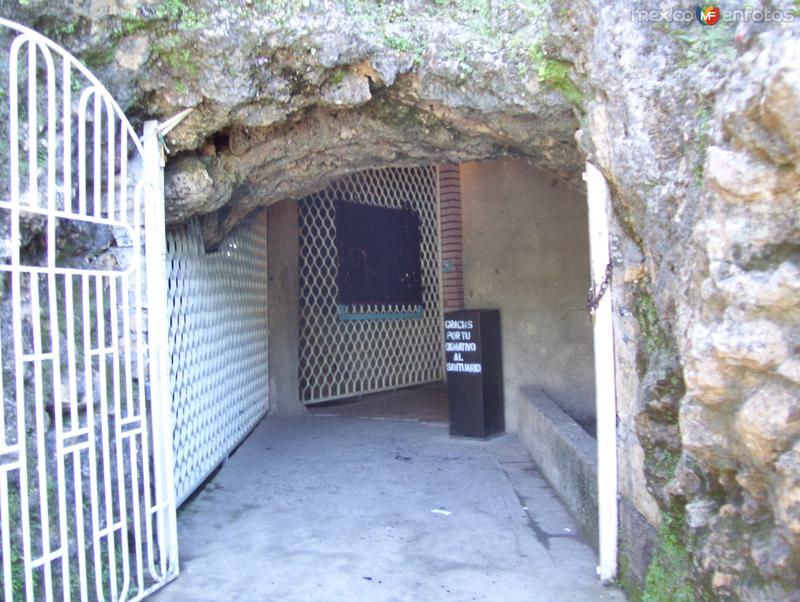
(86,499)
(341,358)
(217,307)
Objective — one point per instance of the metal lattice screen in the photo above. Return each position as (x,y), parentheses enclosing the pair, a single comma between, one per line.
(218,345)
(345,357)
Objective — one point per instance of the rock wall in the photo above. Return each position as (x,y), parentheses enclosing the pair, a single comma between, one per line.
(740,330)
(289,95)
(698,138)
(695,127)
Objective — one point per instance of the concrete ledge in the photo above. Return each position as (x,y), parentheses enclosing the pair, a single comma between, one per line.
(564,452)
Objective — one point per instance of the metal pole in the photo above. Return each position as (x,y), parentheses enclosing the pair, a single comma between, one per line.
(155,243)
(598,201)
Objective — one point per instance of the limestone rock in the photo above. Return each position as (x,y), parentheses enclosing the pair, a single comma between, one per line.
(700,512)
(761,107)
(789,493)
(132,53)
(186,187)
(777,290)
(790,369)
(767,421)
(704,433)
(773,556)
(779,105)
(758,344)
(420,84)
(740,176)
(352,90)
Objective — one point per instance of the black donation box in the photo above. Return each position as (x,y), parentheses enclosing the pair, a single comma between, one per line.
(474,372)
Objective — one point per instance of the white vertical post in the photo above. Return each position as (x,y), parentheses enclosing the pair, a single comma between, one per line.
(606,396)
(156,274)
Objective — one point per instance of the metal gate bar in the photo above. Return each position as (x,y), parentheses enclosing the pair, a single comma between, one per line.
(217,306)
(86,508)
(346,357)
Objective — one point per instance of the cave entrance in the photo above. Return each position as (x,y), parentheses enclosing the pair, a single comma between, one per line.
(258,326)
(248,332)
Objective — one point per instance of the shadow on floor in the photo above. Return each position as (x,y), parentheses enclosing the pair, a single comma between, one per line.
(424,403)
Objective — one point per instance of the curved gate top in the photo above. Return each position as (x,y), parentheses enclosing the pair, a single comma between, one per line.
(87,503)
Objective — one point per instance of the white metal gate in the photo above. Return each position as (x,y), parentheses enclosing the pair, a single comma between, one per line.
(86,496)
(217,304)
(345,357)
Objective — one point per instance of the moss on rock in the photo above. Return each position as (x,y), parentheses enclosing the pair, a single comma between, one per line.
(558,75)
(670,576)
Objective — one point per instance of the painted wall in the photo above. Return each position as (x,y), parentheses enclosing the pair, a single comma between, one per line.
(283,313)
(526,252)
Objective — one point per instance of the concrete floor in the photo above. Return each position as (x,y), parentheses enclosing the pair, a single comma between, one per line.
(355,509)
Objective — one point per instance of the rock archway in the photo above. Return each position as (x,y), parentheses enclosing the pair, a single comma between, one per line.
(695,127)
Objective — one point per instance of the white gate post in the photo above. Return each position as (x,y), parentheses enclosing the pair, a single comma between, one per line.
(156,271)
(598,201)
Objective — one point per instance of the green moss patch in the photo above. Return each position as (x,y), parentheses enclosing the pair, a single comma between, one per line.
(669,578)
(556,75)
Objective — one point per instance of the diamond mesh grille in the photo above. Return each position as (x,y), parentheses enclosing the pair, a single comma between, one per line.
(218,336)
(342,358)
